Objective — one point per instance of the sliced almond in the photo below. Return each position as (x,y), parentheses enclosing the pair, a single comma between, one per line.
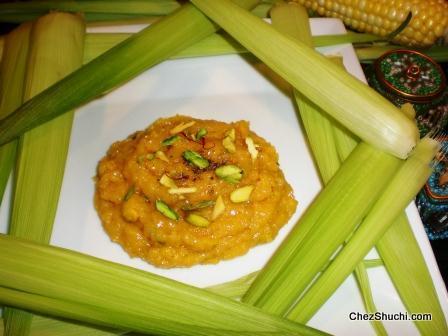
(161,156)
(252,148)
(219,208)
(182,126)
(167,181)
(179,191)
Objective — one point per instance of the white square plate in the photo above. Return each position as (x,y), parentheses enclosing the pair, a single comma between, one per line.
(226,88)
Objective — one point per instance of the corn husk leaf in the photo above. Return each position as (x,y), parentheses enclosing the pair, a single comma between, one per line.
(56,49)
(72,285)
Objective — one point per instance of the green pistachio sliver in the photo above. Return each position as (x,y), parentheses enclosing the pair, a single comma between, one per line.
(201,133)
(200,205)
(229,173)
(197,220)
(241,194)
(196,159)
(229,145)
(165,210)
(170,140)
(129,193)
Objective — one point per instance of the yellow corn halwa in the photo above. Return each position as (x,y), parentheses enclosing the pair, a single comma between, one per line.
(187,191)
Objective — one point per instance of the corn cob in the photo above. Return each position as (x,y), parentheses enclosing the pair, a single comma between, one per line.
(382,17)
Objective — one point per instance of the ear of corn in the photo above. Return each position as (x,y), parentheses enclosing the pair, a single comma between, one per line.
(348,100)
(55,50)
(72,285)
(115,67)
(429,17)
(12,75)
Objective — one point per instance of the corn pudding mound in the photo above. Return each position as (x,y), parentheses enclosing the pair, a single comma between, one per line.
(187,191)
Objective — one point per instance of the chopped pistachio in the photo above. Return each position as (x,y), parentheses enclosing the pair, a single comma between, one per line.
(201,133)
(167,181)
(161,156)
(219,208)
(231,134)
(129,193)
(241,194)
(229,144)
(229,173)
(251,147)
(142,158)
(197,220)
(195,159)
(170,140)
(165,210)
(200,205)
(179,191)
(182,126)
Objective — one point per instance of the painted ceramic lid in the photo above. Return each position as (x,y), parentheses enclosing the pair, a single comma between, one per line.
(410,75)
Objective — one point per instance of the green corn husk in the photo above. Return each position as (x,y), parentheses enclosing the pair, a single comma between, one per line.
(362,279)
(215,44)
(100,11)
(292,19)
(115,67)
(399,265)
(56,49)
(12,75)
(221,44)
(397,261)
(371,53)
(72,285)
(18,11)
(349,37)
(44,326)
(404,261)
(358,107)
(234,289)
(317,235)
(318,127)
(407,182)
